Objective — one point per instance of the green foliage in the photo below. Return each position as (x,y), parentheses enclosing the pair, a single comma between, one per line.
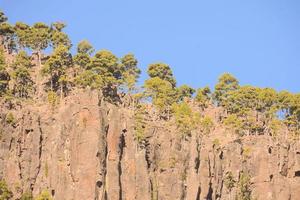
(56,66)
(140,123)
(46,169)
(59,38)
(5,193)
(89,78)
(186,120)
(225,84)
(26,196)
(244,184)
(162,93)
(185,91)
(23,33)
(4,76)
(229,181)
(3,18)
(241,100)
(203,97)
(131,71)
(106,65)
(53,99)
(21,76)
(58,26)
(234,123)
(162,71)
(85,47)
(206,124)
(7,32)
(45,195)
(82,60)
(39,37)
(289,105)
(10,119)
(216,142)
(246,152)
(275,126)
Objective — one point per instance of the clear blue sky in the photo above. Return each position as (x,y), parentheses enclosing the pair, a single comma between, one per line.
(256,40)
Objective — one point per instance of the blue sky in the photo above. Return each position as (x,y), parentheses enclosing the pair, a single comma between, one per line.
(258,41)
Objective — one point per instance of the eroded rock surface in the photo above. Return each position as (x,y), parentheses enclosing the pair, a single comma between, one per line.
(86,149)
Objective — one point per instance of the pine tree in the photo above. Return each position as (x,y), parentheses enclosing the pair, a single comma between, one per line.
(56,66)
(58,37)
(162,94)
(23,32)
(131,71)
(185,91)
(21,77)
(203,97)
(4,76)
(163,71)
(39,39)
(226,83)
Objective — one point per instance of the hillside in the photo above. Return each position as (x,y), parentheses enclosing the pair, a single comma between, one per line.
(76,127)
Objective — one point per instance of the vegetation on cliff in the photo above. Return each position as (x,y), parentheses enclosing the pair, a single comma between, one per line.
(26,73)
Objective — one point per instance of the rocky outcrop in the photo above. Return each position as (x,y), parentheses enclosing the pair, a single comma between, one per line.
(86,149)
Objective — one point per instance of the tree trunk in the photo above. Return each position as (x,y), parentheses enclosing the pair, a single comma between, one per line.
(61,90)
(51,83)
(39,58)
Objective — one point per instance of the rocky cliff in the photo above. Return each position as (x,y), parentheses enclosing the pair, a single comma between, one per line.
(85,149)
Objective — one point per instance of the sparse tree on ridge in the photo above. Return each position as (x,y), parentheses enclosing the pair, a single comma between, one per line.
(185,91)
(39,39)
(131,71)
(58,37)
(23,33)
(226,83)
(203,97)
(107,66)
(56,67)
(4,76)
(7,33)
(163,71)
(23,83)
(83,56)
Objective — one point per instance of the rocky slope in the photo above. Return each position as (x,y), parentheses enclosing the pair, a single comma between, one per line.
(85,149)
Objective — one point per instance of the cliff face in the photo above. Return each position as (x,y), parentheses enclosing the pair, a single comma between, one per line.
(85,149)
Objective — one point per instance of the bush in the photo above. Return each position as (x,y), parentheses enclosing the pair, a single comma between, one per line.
(26,196)
(234,123)
(185,119)
(207,125)
(10,119)
(216,143)
(53,98)
(5,193)
(44,195)
(244,192)
(140,123)
(229,181)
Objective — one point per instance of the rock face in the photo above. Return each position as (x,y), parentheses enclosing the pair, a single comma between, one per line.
(86,149)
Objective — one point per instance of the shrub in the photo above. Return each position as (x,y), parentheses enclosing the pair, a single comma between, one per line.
(185,119)
(44,195)
(234,123)
(10,119)
(5,193)
(207,125)
(53,98)
(244,192)
(26,196)
(140,123)
(216,142)
(229,181)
